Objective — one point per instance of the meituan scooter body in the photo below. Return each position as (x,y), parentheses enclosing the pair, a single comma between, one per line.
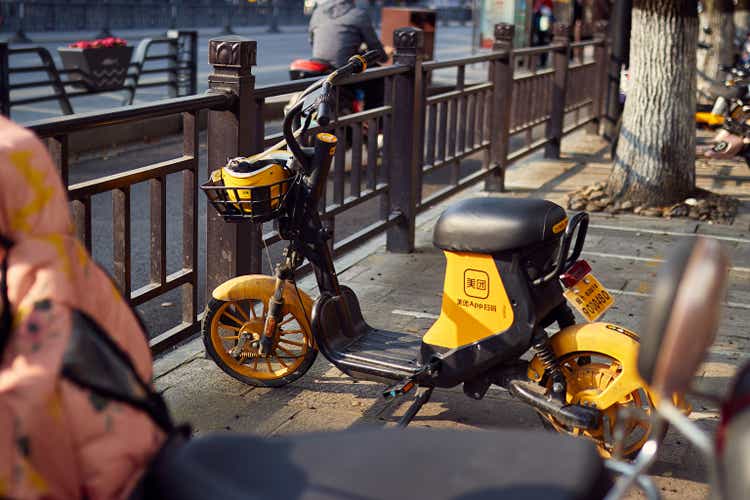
(505,258)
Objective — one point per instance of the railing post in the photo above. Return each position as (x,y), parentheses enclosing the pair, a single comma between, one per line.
(185,62)
(559,87)
(501,76)
(4,80)
(600,85)
(173,50)
(192,41)
(231,249)
(404,172)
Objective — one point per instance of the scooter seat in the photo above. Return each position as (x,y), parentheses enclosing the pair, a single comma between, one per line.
(384,464)
(488,225)
(726,92)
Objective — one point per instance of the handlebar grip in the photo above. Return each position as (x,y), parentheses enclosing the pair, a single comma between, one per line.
(325,148)
(325,111)
(372,56)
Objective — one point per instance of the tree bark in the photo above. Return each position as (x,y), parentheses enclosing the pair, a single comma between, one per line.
(719,18)
(655,159)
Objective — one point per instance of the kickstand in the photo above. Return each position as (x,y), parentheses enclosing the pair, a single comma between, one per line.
(422,396)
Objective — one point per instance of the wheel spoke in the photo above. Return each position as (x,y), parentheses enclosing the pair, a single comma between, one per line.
(233,318)
(241,311)
(229,337)
(281,362)
(268,362)
(292,342)
(229,327)
(286,321)
(255,363)
(290,332)
(288,353)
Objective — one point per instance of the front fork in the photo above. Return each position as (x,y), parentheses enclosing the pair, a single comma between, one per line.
(284,272)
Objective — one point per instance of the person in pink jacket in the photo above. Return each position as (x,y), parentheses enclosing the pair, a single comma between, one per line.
(78,417)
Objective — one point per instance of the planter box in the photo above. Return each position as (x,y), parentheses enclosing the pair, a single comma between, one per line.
(98,69)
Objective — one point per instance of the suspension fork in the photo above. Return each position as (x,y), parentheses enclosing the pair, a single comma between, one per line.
(541,345)
(284,272)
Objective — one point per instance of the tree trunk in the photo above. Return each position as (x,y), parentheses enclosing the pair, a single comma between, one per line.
(655,159)
(719,18)
(742,18)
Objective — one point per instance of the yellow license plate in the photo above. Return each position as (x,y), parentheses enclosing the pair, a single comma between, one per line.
(589,297)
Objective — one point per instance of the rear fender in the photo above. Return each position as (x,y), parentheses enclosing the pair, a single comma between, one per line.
(610,340)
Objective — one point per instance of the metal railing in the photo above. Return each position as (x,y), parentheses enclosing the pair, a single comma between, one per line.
(391,150)
(57,131)
(169,61)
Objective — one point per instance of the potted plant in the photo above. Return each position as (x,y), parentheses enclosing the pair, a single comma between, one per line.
(99,64)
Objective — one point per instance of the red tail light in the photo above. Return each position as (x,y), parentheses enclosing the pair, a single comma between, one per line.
(575,273)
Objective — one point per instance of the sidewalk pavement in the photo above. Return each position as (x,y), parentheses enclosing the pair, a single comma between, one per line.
(403,292)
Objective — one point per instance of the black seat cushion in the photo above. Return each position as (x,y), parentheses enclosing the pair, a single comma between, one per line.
(488,225)
(728,92)
(384,464)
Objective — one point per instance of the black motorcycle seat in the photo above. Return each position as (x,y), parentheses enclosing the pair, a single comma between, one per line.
(730,93)
(488,225)
(384,464)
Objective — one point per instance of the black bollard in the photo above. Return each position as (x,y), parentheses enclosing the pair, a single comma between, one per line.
(105,32)
(228,21)
(20,35)
(273,20)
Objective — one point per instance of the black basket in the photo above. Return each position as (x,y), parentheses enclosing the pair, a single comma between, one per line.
(251,203)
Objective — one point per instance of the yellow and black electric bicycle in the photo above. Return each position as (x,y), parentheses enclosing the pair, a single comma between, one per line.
(509,270)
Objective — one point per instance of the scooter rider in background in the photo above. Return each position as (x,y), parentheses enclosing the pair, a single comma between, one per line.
(338,28)
(541,27)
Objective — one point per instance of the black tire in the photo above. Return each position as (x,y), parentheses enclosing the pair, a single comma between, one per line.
(212,308)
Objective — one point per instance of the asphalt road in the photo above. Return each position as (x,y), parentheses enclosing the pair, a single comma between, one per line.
(275,52)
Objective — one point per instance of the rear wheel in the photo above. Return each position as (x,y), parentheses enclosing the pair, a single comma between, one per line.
(587,375)
(232,330)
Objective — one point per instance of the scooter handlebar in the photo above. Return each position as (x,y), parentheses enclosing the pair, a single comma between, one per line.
(325,109)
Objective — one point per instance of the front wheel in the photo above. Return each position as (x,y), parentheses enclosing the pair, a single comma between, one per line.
(232,330)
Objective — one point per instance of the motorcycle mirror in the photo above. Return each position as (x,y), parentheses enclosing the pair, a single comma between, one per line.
(683,315)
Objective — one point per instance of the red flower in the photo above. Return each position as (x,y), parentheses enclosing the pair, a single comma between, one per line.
(100,43)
